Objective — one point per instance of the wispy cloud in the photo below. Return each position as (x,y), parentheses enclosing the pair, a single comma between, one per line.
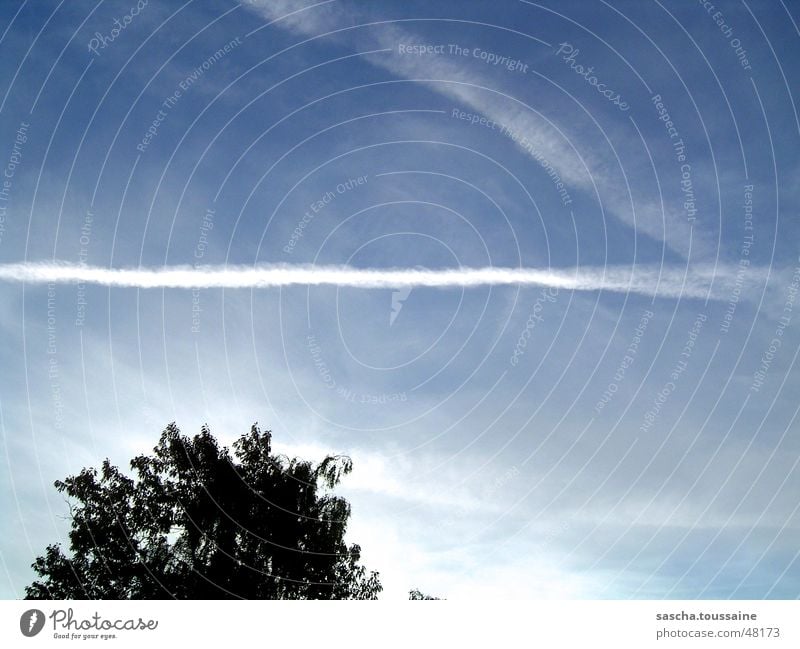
(654,281)
(589,169)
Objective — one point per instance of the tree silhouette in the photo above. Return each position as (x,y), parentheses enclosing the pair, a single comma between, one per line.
(200,522)
(415,593)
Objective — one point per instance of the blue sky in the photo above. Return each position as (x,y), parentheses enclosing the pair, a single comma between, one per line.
(488,462)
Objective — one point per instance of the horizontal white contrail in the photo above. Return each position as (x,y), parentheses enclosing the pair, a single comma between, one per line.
(644,280)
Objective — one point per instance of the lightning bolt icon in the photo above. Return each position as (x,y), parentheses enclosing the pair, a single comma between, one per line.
(32,620)
(398,297)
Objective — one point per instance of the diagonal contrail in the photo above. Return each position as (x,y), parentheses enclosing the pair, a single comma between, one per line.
(653,281)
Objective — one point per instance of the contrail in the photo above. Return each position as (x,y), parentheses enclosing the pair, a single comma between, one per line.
(653,281)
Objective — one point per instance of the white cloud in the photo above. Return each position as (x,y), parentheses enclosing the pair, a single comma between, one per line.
(594,171)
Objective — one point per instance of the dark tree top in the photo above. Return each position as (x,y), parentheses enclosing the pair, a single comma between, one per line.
(200,521)
(415,593)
